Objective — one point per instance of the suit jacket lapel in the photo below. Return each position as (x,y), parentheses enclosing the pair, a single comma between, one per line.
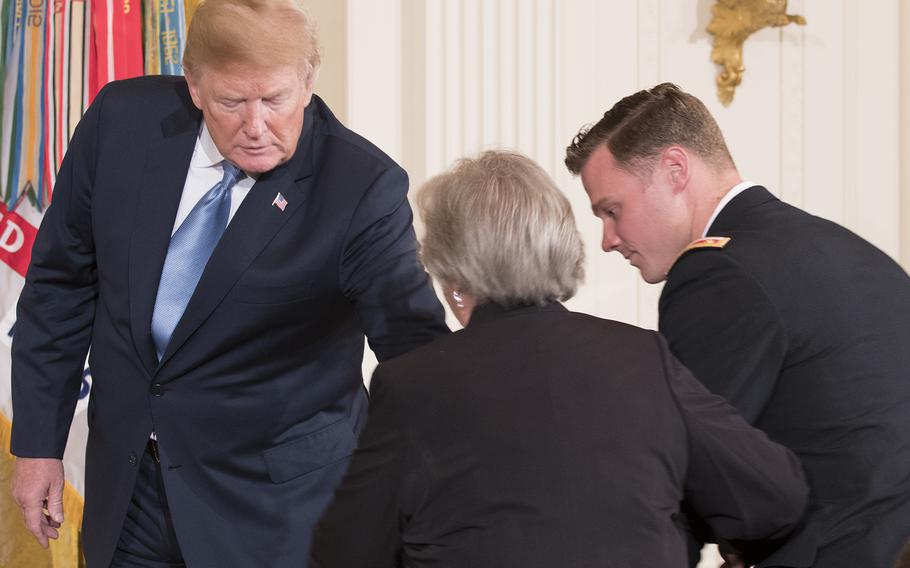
(167,163)
(253,226)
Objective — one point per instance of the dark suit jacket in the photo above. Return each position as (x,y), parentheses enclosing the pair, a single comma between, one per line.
(538,437)
(258,398)
(805,328)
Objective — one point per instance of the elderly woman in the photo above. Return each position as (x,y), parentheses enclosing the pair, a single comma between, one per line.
(537,436)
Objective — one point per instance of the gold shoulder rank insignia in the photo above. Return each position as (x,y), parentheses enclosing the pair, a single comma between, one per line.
(708,242)
(705,243)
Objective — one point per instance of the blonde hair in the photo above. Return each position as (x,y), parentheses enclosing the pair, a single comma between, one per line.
(499,228)
(264,34)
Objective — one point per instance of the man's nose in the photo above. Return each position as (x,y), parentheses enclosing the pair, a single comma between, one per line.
(610,239)
(254,122)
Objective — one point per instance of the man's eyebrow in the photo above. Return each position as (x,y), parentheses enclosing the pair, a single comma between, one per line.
(601,203)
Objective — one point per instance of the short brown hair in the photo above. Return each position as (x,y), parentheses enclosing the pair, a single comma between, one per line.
(264,34)
(499,228)
(640,126)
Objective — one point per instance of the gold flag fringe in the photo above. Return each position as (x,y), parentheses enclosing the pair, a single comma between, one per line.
(18,548)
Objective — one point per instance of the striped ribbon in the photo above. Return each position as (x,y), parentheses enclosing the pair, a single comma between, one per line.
(55,55)
(165,33)
(28,145)
(117,42)
(10,61)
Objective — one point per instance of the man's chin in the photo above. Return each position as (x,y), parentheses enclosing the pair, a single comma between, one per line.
(257,164)
(650,278)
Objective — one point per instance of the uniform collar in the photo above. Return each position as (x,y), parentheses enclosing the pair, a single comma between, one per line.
(727,198)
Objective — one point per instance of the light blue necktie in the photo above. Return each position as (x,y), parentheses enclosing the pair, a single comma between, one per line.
(187,254)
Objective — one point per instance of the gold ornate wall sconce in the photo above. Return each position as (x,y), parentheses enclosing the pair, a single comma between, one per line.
(733,22)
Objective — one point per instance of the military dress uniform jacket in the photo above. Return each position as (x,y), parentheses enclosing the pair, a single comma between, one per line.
(258,398)
(805,328)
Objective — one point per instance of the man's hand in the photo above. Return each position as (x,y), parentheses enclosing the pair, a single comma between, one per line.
(732,561)
(38,489)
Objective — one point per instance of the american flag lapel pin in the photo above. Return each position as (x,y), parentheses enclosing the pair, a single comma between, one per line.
(280,202)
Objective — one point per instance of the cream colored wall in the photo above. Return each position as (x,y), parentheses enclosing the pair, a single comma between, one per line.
(904,33)
(332,32)
(375,76)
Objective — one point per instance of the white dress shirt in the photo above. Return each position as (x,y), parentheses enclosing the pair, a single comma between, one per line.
(205,171)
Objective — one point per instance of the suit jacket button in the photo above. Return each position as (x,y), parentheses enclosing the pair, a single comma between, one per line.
(157,389)
(133,459)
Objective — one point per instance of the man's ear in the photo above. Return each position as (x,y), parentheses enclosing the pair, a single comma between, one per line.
(192,81)
(307,97)
(676,166)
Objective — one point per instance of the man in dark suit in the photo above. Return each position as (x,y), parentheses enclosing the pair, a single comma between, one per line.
(801,324)
(223,244)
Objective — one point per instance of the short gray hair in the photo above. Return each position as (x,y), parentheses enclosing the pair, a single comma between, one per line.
(498,228)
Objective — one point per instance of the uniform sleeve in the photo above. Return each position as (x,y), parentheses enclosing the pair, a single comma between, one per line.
(381,275)
(750,491)
(57,306)
(721,324)
(362,528)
